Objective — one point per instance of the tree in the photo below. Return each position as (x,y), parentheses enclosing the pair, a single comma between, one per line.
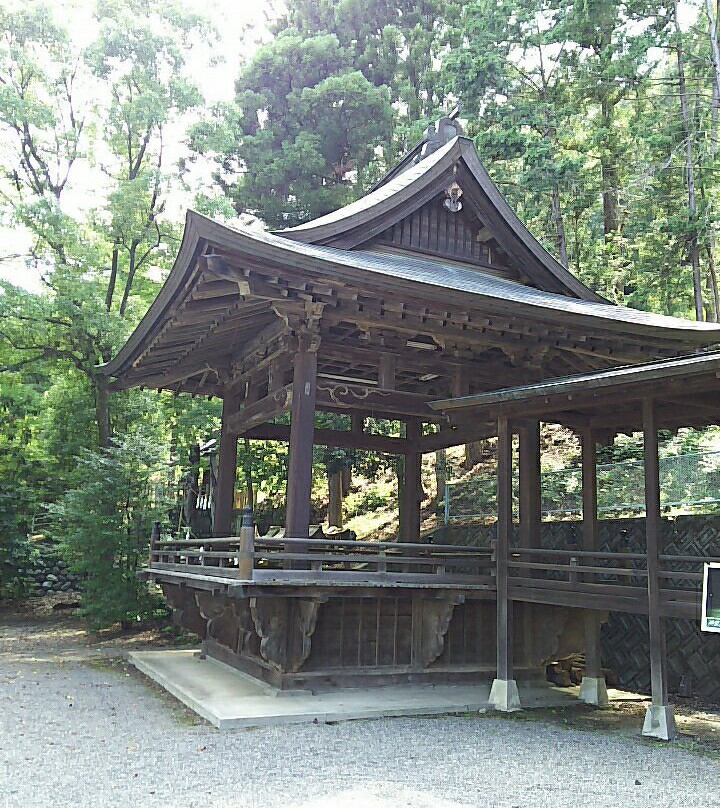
(81,257)
(303,128)
(105,524)
(140,55)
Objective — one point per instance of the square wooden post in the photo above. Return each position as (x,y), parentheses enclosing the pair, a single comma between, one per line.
(530,507)
(227,470)
(593,689)
(412,486)
(302,425)
(530,501)
(504,692)
(660,717)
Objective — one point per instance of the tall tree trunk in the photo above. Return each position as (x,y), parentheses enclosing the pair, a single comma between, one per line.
(132,268)
(473,454)
(335,515)
(715,51)
(192,488)
(113,277)
(551,135)
(712,272)
(346,479)
(690,170)
(560,240)
(440,476)
(713,33)
(610,176)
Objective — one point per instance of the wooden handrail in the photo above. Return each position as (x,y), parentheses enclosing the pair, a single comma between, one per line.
(578,554)
(325,542)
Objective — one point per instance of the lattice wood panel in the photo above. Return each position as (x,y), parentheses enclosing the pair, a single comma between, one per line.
(692,654)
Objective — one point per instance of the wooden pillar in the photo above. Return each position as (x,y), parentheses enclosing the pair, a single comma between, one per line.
(504,693)
(530,512)
(659,718)
(302,425)
(386,371)
(411,490)
(530,502)
(593,689)
(227,470)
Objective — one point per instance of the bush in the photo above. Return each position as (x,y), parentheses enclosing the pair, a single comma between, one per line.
(15,552)
(105,524)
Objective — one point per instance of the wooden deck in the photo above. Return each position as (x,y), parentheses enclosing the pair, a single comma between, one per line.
(600,581)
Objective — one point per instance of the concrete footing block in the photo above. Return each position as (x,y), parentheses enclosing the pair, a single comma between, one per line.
(660,722)
(504,695)
(593,690)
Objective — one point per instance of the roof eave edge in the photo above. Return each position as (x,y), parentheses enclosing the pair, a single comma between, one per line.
(192,235)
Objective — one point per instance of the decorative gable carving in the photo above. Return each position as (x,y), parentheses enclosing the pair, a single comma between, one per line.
(435,229)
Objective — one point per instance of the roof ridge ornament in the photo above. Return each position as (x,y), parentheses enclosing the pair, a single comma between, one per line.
(441,132)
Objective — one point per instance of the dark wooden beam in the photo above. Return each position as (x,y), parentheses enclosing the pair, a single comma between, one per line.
(302,422)
(339,395)
(589,407)
(502,544)
(456,436)
(260,411)
(595,691)
(530,503)
(411,490)
(483,330)
(653,533)
(386,371)
(166,380)
(337,438)
(227,470)
(261,349)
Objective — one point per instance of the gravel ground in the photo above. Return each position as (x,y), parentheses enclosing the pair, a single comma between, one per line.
(79,733)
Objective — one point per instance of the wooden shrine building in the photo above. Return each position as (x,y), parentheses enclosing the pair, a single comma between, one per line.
(415,303)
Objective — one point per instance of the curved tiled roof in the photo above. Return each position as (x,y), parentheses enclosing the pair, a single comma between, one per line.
(431,280)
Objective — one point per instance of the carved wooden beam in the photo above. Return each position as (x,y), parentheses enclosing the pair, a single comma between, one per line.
(216,266)
(334,395)
(285,627)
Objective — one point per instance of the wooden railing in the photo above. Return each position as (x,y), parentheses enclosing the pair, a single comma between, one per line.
(589,579)
(605,580)
(327,558)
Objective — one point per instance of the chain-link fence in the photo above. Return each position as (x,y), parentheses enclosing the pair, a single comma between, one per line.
(688,482)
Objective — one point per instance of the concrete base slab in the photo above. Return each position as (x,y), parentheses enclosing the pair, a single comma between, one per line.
(594,691)
(228,698)
(504,695)
(660,722)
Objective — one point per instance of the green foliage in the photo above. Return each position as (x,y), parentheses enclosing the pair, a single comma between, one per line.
(105,524)
(341,85)
(575,111)
(303,123)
